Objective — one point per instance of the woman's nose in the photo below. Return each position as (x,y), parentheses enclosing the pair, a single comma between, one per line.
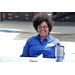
(42,28)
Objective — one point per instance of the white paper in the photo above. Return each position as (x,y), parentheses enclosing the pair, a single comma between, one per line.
(34,59)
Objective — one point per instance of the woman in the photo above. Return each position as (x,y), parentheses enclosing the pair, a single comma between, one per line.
(43,43)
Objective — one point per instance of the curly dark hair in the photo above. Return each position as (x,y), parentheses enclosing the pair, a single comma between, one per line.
(41,17)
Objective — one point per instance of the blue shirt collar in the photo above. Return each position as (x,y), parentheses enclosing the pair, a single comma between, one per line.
(47,38)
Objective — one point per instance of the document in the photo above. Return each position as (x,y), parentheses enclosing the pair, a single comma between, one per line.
(33,59)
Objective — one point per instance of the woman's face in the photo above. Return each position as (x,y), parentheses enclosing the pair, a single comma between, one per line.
(43,29)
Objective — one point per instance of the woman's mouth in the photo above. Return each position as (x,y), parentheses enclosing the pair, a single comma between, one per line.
(42,32)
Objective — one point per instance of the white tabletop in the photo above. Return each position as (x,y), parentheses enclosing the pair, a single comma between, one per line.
(27,59)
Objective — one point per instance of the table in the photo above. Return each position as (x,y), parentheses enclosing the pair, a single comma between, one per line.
(26,59)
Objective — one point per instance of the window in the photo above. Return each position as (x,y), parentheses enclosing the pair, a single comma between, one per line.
(27,18)
(9,14)
(66,17)
(9,17)
(26,14)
